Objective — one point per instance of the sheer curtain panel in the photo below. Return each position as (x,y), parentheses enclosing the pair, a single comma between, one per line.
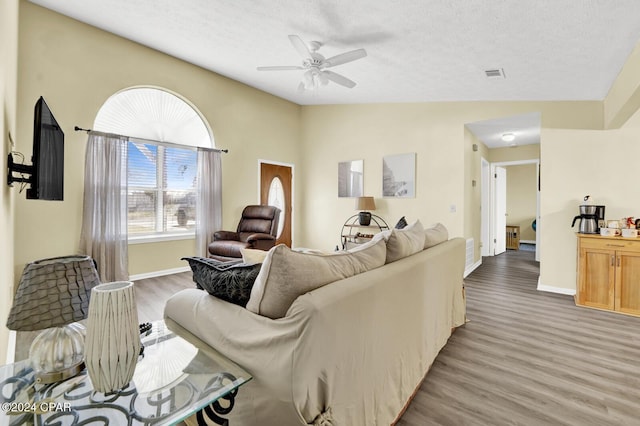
(209,199)
(104,216)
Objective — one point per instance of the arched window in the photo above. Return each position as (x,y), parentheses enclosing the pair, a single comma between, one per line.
(155,114)
(164,131)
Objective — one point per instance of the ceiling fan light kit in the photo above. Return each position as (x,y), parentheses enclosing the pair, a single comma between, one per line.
(315,65)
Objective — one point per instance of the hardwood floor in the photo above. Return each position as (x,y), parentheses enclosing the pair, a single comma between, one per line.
(531,358)
(524,358)
(151,295)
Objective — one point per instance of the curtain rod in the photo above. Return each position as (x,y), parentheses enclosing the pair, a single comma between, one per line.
(177,145)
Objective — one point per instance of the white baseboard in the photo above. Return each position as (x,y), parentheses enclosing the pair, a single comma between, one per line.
(472,268)
(159,273)
(559,290)
(528,241)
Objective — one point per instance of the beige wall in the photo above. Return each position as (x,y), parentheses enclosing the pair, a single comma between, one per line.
(8,82)
(623,99)
(76,68)
(473,192)
(518,153)
(574,164)
(435,131)
(522,188)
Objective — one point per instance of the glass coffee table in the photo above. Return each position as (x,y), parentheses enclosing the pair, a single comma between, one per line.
(174,379)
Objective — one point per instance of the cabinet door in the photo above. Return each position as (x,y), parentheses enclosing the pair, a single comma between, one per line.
(628,282)
(597,278)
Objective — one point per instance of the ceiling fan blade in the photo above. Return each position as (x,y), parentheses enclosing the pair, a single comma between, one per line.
(280,68)
(339,79)
(300,46)
(343,58)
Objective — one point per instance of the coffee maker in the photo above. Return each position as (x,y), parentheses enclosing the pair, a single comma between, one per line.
(590,216)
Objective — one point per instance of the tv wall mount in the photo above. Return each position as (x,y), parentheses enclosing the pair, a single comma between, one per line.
(22,169)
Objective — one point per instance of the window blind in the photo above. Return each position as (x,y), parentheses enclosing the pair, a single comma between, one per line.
(162,183)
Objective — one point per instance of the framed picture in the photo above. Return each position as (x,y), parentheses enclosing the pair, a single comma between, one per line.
(350,178)
(399,175)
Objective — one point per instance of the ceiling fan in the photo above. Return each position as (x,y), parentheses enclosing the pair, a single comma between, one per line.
(315,65)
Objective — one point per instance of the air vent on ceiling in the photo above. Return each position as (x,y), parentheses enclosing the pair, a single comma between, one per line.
(495,73)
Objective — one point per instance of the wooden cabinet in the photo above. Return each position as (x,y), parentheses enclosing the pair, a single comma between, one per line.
(513,237)
(608,275)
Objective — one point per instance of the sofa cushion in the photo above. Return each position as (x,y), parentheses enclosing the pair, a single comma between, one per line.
(435,235)
(229,281)
(253,256)
(287,274)
(405,242)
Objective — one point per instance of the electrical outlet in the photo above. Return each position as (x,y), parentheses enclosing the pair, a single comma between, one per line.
(452,208)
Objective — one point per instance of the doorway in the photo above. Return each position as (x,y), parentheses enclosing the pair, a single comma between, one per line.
(276,184)
(498,210)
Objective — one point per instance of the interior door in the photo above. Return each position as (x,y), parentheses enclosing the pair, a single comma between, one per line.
(485,220)
(501,210)
(276,181)
(538,230)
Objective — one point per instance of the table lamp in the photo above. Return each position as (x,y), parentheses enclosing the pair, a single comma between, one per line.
(52,295)
(365,203)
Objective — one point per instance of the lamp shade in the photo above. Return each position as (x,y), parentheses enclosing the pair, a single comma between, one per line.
(53,292)
(365,203)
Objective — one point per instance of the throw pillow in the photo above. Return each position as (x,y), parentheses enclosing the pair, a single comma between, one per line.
(229,281)
(384,235)
(435,235)
(287,274)
(252,256)
(402,223)
(405,242)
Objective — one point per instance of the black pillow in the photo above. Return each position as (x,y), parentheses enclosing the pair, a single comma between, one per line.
(230,281)
(401,223)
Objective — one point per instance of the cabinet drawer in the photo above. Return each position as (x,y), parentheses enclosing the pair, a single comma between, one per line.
(619,243)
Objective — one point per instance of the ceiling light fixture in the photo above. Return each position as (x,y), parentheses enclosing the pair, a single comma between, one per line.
(508,137)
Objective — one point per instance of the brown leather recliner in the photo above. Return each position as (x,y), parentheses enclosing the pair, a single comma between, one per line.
(257,229)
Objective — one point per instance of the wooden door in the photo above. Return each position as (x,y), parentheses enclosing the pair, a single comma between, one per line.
(596,278)
(276,182)
(628,282)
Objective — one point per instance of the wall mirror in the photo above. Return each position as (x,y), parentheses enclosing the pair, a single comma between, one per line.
(350,178)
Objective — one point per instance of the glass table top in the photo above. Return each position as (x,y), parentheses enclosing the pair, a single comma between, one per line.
(174,378)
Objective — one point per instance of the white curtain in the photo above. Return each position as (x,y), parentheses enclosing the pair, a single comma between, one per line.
(209,199)
(104,216)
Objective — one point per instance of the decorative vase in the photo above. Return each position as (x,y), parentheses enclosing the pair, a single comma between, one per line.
(112,344)
(364,218)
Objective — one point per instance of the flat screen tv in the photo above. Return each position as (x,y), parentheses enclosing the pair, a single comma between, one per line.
(46,176)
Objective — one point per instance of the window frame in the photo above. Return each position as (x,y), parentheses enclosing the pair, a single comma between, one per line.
(159,189)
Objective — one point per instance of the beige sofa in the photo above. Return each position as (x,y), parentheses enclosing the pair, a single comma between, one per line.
(352,352)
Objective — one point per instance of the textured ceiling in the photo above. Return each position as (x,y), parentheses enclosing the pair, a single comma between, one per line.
(418,50)
(524,127)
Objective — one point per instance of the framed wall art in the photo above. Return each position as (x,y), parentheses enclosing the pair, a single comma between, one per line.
(399,175)
(350,178)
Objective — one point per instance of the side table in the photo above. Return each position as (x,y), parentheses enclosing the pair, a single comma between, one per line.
(174,378)
(351,235)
